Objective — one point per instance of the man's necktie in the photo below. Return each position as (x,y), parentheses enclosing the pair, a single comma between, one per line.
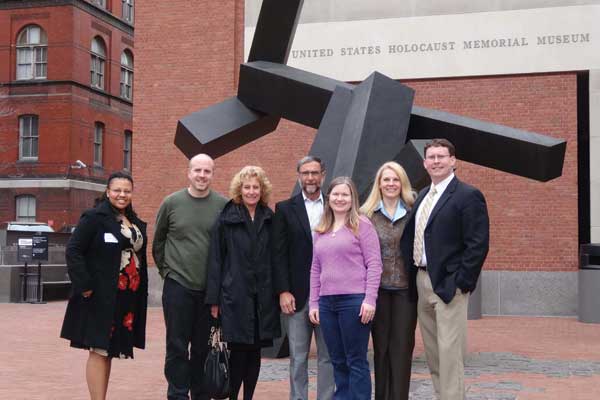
(421,224)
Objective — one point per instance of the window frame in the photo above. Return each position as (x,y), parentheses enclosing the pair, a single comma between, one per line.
(126,82)
(28,217)
(101,3)
(127,10)
(127,146)
(37,54)
(32,137)
(98,145)
(98,63)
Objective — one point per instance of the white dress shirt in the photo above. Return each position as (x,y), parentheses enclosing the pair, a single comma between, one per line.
(314,209)
(440,187)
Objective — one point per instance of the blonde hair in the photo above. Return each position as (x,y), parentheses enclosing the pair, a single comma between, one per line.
(407,193)
(352,217)
(249,172)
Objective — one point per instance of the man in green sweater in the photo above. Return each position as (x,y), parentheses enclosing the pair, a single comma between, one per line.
(180,250)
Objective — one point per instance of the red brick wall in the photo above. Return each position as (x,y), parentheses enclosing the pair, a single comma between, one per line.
(70,32)
(66,112)
(85,29)
(57,206)
(56,21)
(190,53)
(534,225)
(66,127)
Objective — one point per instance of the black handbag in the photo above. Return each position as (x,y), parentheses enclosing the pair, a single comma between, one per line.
(216,367)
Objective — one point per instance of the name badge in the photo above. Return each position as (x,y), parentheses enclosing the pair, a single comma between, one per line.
(110,238)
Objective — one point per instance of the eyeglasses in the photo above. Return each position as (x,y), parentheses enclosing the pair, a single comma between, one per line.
(310,173)
(435,157)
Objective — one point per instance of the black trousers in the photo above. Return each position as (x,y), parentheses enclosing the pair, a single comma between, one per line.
(393,343)
(187,320)
(245,368)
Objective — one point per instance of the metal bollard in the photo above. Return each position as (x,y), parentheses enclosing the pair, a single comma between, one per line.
(31,285)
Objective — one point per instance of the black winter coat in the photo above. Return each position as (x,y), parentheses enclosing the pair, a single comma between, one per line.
(94,264)
(292,249)
(240,271)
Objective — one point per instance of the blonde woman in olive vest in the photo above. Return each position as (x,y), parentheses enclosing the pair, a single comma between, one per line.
(388,206)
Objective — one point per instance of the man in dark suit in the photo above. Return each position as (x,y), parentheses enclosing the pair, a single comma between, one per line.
(293,223)
(445,243)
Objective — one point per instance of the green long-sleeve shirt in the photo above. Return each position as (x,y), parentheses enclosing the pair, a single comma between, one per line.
(182,236)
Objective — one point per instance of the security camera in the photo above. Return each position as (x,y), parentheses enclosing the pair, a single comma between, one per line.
(80,164)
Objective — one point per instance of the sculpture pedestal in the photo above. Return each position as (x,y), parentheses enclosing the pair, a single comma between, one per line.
(474,311)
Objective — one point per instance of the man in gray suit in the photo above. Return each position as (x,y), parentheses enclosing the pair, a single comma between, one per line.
(293,223)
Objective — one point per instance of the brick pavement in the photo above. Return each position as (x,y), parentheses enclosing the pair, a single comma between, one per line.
(509,358)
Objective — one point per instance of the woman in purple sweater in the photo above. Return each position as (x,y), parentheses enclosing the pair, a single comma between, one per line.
(344,279)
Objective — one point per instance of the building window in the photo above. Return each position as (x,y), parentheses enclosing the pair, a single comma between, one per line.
(98,136)
(128,10)
(101,3)
(25,208)
(32,53)
(28,137)
(97,64)
(126,75)
(127,151)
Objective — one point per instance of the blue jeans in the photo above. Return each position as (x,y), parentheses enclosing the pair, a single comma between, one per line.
(347,340)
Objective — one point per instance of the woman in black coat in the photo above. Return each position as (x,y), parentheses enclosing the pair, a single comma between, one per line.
(240,284)
(106,260)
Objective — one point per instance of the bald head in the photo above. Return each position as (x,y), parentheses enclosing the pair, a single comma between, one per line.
(201,158)
(200,173)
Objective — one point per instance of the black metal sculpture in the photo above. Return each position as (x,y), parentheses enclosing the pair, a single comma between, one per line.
(359,126)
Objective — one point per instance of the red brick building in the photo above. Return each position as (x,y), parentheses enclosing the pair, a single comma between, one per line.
(66,105)
(191,51)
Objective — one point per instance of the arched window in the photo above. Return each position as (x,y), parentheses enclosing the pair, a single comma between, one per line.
(97,63)
(28,137)
(128,10)
(25,208)
(98,148)
(126,75)
(32,53)
(127,150)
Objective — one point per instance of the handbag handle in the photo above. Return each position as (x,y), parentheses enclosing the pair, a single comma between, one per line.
(214,340)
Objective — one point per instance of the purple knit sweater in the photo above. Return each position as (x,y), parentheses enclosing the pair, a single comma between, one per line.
(346,264)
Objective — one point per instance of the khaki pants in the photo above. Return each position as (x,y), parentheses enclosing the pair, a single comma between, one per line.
(444,331)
